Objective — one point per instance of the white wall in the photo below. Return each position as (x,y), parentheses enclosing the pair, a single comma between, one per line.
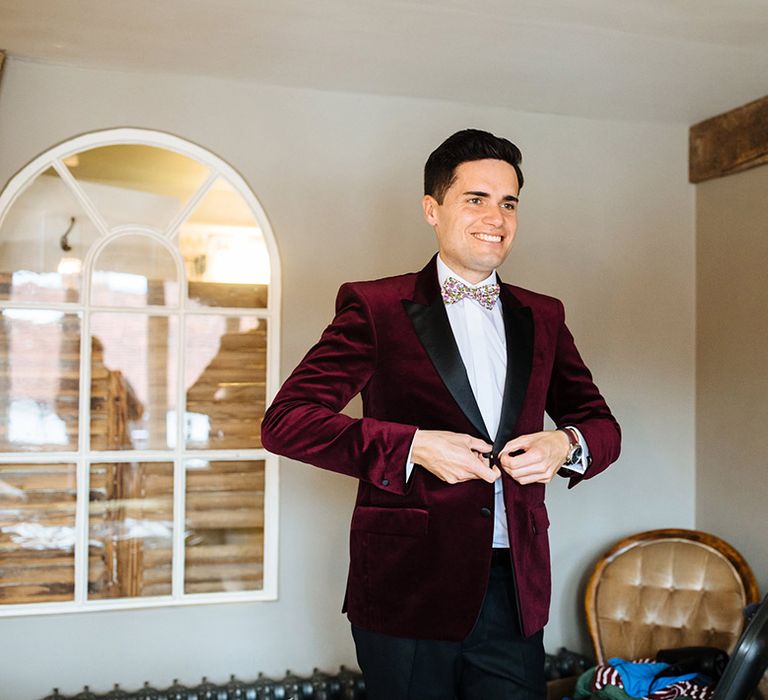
(732,382)
(606,224)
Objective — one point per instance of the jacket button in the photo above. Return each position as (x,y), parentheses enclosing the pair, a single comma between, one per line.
(385,482)
(485,512)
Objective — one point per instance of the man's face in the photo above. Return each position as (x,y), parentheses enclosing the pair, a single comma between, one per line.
(476,223)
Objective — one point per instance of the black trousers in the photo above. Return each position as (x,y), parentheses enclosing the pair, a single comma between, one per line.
(494,662)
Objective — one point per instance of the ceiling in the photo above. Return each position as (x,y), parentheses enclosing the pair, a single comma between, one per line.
(640,60)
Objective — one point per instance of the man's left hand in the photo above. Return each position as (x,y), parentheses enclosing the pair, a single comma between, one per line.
(543,454)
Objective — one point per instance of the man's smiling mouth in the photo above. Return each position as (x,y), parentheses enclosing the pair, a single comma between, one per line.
(489,237)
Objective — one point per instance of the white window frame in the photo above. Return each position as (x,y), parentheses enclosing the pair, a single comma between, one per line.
(84,457)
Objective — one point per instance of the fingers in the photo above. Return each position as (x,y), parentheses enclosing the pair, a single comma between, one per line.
(453,457)
(468,466)
(457,457)
(521,442)
(542,456)
(534,475)
(482,470)
(478,445)
(521,458)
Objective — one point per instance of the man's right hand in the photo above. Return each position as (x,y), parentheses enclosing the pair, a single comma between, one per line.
(453,457)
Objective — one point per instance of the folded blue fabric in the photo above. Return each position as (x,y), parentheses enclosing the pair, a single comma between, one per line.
(638,678)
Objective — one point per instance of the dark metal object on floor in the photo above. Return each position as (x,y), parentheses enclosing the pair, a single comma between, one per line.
(345,684)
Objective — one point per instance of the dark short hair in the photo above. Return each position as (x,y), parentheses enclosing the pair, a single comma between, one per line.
(463,146)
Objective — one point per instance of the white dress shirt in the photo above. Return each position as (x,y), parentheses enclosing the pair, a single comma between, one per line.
(480,337)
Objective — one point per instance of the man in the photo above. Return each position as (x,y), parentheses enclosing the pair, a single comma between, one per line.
(449,579)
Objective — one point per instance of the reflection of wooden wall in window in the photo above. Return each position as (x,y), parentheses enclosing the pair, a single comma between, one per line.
(225,527)
(231,391)
(21,377)
(218,294)
(224,542)
(130,530)
(113,404)
(37,526)
(37,501)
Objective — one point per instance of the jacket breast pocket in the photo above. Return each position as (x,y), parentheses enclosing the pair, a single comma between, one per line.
(413,522)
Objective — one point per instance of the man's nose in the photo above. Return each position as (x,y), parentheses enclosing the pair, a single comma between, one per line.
(493,217)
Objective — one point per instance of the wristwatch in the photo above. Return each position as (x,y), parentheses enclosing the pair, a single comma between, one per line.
(574,447)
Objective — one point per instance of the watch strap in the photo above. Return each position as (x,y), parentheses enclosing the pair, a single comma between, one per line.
(574,449)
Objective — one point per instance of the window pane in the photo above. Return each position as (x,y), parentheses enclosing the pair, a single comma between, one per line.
(224,548)
(135,271)
(137,184)
(37,532)
(39,380)
(225,380)
(225,252)
(130,530)
(133,382)
(147,275)
(43,241)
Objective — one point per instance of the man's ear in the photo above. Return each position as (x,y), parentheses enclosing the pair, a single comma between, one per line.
(429,204)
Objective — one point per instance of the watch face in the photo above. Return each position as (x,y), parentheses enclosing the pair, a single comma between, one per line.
(575,455)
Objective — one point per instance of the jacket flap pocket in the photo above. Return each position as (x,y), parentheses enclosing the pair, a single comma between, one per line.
(391,521)
(539,519)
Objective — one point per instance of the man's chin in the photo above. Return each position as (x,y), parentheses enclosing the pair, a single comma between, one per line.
(488,263)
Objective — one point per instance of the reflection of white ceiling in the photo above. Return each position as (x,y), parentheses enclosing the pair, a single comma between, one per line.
(665,60)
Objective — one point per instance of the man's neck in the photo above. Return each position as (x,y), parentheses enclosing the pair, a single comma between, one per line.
(444,271)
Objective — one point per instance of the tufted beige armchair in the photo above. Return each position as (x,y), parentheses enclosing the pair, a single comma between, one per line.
(664,589)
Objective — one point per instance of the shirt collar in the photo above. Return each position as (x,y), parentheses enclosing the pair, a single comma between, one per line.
(444,272)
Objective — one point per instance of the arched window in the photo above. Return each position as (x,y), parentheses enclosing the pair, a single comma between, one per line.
(139,311)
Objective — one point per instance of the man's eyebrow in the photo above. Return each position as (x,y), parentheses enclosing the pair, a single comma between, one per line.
(507,198)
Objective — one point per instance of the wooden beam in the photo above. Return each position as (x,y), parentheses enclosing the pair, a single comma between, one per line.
(730,142)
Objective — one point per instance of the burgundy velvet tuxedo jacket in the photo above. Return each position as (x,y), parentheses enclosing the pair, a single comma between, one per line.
(420,551)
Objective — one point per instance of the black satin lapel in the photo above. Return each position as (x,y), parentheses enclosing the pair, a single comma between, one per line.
(434,331)
(518,326)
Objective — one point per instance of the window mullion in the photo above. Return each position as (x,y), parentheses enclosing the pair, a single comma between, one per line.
(81,196)
(179,474)
(182,216)
(179,498)
(83,464)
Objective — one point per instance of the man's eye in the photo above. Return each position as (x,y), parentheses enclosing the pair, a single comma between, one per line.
(509,205)
(474,200)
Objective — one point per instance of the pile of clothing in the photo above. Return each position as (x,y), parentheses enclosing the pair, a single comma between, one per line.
(620,679)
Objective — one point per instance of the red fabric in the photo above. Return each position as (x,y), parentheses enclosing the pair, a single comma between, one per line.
(420,552)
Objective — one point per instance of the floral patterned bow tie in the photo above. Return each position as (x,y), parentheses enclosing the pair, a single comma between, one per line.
(454,291)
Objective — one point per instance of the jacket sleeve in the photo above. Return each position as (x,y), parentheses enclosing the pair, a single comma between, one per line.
(305,421)
(573,399)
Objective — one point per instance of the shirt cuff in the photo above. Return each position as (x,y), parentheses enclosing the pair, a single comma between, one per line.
(409,465)
(581,466)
